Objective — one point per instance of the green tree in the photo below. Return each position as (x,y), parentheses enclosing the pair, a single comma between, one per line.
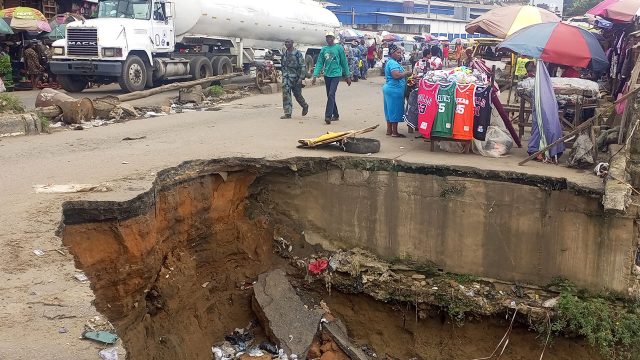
(578,7)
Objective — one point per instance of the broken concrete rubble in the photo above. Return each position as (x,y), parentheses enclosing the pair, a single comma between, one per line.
(282,314)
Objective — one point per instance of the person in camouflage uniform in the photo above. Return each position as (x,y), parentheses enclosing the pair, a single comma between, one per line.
(293,72)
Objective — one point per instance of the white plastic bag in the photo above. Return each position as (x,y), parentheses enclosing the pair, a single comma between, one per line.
(2,87)
(498,143)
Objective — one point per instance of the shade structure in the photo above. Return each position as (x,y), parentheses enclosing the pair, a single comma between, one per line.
(623,11)
(58,24)
(25,19)
(504,21)
(558,43)
(5,29)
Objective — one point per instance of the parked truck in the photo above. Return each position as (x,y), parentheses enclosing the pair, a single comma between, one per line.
(143,43)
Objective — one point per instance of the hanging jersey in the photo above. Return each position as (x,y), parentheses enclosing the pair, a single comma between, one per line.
(443,125)
(411,113)
(465,109)
(427,107)
(482,116)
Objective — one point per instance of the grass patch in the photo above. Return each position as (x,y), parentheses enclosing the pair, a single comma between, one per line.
(456,307)
(214,91)
(611,328)
(45,123)
(10,103)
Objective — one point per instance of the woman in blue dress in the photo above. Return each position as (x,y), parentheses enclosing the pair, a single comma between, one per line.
(393,90)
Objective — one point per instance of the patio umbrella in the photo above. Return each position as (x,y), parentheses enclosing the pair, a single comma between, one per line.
(504,21)
(25,18)
(620,11)
(5,29)
(391,38)
(558,43)
(59,23)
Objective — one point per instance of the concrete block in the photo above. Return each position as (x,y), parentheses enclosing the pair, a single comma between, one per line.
(282,314)
(19,124)
(617,192)
(270,89)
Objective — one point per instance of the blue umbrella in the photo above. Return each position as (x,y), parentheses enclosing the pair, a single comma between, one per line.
(559,43)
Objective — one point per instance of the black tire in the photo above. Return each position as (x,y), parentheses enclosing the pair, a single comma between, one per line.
(222,65)
(72,84)
(134,74)
(200,68)
(309,64)
(361,146)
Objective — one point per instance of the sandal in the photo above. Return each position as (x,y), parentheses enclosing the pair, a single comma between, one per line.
(398,136)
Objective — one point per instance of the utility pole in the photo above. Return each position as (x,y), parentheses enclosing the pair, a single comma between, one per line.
(429,9)
(353,16)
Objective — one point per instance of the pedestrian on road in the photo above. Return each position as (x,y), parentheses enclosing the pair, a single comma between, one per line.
(363,60)
(371,55)
(32,64)
(394,90)
(293,72)
(334,62)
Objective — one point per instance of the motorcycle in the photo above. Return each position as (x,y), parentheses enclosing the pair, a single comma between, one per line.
(265,72)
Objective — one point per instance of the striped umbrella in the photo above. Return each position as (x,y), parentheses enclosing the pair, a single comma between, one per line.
(616,10)
(59,23)
(504,21)
(25,18)
(558,43)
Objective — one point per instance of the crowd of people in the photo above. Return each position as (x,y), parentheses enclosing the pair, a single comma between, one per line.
(351,60)
(29,59)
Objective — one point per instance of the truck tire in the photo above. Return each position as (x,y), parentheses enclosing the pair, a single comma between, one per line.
(222,65)
(134,74)
(200,68)
(309,64)
(361,146)
(72,84)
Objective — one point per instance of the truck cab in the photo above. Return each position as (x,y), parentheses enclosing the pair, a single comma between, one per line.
(120,45)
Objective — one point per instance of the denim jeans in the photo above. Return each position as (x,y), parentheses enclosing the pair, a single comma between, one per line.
(332,86)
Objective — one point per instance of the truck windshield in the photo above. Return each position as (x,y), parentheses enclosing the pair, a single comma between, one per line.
(130,9)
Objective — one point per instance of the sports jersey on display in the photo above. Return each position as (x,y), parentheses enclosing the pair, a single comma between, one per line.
(482,118)
(427,107)
(443,125)
(465,107)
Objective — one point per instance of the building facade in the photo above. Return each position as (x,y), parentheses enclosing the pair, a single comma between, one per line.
(355,12)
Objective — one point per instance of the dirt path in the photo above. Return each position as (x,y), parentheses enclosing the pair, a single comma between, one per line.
(39,295)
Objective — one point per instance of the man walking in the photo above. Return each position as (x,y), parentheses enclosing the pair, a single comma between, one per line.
(334,62)
(293,72)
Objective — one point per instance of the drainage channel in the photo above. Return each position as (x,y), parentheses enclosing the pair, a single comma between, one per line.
(175,269)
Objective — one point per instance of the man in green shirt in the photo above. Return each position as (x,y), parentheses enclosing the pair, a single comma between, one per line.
(334,62)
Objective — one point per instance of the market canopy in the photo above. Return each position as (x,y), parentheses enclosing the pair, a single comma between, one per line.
(504,21)
(616,10)
(59,23)
(558,43)
(25,19)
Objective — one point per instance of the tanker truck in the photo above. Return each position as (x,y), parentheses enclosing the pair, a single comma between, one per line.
(143,43)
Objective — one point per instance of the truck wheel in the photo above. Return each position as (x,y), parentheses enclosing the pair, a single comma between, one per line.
(310,64)
(134,74)
(72,84)
(200,68)
(222,65)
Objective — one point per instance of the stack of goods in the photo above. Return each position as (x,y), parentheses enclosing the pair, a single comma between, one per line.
(451,104)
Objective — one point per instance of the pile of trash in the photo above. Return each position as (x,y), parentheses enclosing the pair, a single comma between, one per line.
(358,271)
(241,345)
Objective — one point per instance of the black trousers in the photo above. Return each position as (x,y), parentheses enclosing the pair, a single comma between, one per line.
(332,86)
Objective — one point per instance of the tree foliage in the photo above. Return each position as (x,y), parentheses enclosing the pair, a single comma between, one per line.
(578,7)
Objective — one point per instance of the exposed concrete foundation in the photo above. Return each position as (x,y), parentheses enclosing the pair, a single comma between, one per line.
(179,254)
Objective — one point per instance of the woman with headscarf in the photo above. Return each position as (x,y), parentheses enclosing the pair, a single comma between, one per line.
(394,89)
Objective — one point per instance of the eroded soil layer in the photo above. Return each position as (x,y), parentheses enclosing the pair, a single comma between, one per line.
(172,268)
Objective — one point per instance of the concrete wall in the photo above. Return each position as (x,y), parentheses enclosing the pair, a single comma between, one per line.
(495,229)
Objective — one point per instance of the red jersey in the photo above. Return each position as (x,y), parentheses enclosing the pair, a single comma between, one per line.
(427,107)
(465,111)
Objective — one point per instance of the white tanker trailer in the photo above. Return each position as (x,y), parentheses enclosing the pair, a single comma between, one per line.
(139,43)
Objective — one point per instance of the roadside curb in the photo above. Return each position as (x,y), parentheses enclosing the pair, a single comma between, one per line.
(19,124)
